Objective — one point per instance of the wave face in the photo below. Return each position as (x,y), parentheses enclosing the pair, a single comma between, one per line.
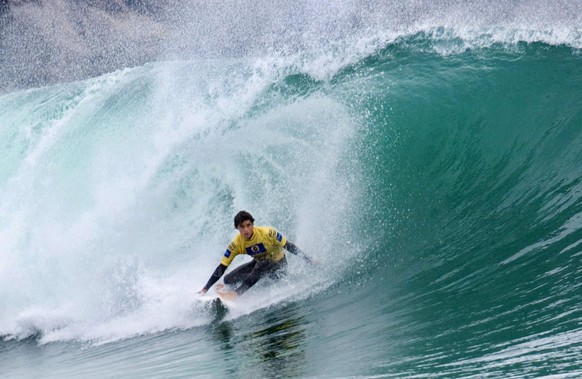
(433,171)
(475,185)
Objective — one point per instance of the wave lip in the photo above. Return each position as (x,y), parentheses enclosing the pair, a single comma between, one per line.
(94,38)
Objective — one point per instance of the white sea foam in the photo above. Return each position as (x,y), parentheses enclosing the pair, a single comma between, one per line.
(116,211)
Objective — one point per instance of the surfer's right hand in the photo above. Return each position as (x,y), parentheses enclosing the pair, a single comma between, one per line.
(202,291)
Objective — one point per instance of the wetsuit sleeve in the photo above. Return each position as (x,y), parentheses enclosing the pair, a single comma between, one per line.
(293,249)
(215,276)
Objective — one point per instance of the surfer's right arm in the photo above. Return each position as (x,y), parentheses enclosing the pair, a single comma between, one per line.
(217,274)
(231,251)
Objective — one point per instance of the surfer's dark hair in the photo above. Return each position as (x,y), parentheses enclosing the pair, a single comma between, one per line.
(241,217)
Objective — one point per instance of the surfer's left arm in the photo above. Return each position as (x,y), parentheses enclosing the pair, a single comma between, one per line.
(293,249)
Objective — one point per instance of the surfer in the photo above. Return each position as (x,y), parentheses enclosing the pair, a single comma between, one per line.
(264,244)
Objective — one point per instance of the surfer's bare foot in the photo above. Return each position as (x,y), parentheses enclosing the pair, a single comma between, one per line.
(229,295)
(220,286)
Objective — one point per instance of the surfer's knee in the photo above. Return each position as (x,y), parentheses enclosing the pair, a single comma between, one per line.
(229,279)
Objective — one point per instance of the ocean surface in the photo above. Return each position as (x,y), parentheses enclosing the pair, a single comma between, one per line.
(427,156)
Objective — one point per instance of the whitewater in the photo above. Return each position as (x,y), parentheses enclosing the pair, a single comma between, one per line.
(427,155)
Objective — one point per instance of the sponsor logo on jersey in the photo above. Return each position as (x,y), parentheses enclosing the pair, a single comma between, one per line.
(256,249)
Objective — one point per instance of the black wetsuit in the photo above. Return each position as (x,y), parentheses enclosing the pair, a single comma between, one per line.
(249,273)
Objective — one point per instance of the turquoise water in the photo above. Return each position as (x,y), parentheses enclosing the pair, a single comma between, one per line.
(436,177)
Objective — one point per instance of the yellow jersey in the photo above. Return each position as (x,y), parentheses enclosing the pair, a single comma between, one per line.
(266,243)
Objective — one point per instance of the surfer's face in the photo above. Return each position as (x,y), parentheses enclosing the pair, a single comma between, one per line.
(245,228)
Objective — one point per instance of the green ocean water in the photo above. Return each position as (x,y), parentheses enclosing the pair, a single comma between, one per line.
(438,186)
(485,186)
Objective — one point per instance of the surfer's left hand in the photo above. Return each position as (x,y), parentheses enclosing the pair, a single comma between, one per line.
(312,262)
